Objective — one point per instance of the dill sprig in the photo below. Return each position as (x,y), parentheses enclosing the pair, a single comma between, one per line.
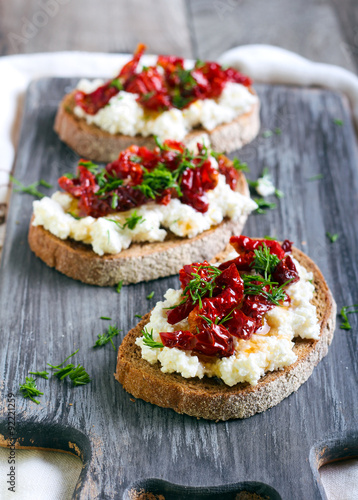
(344,313)
(106,337)
(157,180)
(130,222)
(78,374)
(255,284)
(240,166)
(263,205)
(264,262)
(31,188)
(198,286)
(149,341)
(42,374)
(332,237)
(30,390)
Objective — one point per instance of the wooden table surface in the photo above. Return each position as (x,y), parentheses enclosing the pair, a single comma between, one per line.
(322,30)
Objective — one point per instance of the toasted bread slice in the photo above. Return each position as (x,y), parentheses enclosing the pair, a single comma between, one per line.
(210,398)
(95,144)
(141,261)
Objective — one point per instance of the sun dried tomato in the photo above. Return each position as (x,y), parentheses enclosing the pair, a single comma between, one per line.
(285,271)
(242,244)
(195,183)
(213,340)
(226,168)
(177,87)
(240,325)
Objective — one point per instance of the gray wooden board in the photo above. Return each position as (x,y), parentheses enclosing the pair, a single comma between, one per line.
(44,316)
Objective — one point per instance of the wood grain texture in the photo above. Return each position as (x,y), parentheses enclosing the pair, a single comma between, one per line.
(308,27)
(45,316)
(107,26)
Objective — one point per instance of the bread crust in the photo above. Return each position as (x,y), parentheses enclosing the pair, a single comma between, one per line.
(95,144)
(210,398)
(141,261)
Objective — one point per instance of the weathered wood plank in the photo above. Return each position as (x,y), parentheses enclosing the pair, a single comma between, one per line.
(45,316)
(308,27)
(111,26)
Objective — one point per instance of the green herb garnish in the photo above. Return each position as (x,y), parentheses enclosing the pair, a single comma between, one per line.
(45,184)
(263,205)
(238,165)
(42,374)
(30,390)
(151,295)
(74,215)
(332,237)
(63,362)
(337,121)
(157,180)
(30,189)
(148,340)
(316,177)
(117,84)
(267,133)
(344,313)
(78,374)
(105,317)
(103,339)
(138,316)
(130,222)
(255,284)
(278,131)
(264,262)
(119,286)
(279,194)
(198,286)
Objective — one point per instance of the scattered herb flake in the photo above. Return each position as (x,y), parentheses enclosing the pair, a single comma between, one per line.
(263,205)
(63,362)
(332,237)
(278,131)
(238,165)
(42,374)
(279,194)
(45,184)
(105,317)
(130,222)
(337,121)
(316,177)
(344,313)
(150,296)
(103,339)
(138,316)
(30,390)
(119,286)
(30,189)
(267,133)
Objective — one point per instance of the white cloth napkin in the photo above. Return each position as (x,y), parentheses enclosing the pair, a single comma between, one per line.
(261,62)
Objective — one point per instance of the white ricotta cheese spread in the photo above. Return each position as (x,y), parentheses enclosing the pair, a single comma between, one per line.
(123,115)
(107,237)
(252,358)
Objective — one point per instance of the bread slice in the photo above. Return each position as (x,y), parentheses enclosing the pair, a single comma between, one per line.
(210,398)
(95,144)
(141,261)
